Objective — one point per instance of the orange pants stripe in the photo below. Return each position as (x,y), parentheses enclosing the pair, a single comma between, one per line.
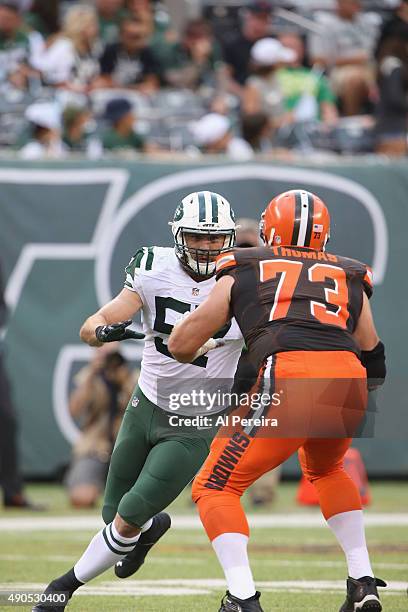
(237,458)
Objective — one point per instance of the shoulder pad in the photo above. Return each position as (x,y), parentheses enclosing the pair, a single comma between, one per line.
(363,271)
(224,261)
(141,260)
(368,281)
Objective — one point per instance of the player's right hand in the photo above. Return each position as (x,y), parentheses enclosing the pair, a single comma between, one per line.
(117,331)
(210,345)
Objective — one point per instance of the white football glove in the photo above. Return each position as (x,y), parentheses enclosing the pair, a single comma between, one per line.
(210,345)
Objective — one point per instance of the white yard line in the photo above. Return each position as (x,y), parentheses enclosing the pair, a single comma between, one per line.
(163,560)
(200,587)
(290,521)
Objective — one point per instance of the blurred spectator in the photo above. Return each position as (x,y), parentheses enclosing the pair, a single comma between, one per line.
(130,63)
(121,132)
(256,25)
(264,490)
(45,123)
(156,18)
(43,17)
(98,402)
(307,94)
(392,108)
(396,26)
(345,47)
(194,60)
(247,234)
(257,130)
(110,15)
(10,477)
(74,122)
(213,135)
(18,48)
(71,59)
(263,92)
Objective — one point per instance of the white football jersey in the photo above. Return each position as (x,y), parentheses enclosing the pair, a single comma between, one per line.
(168,293)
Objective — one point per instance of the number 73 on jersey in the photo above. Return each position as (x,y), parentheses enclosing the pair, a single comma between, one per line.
(289,272)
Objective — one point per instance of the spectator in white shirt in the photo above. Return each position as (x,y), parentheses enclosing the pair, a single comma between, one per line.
(345,47)
(213,136)
(45,143)
(71,58)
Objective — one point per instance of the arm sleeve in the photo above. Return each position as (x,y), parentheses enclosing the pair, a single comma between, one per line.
(325,92)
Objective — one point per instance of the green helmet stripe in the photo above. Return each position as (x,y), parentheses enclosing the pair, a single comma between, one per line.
(214,207)
(201,206)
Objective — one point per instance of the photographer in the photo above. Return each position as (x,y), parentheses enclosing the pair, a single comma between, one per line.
(102,391)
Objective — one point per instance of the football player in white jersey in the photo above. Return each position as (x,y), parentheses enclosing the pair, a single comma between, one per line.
(156,455)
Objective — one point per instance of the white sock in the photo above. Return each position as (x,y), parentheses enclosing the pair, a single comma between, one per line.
(104,550)
(146,526)
(348,527)
(231,550)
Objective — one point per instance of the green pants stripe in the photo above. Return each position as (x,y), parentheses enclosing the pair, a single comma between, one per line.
(152,462)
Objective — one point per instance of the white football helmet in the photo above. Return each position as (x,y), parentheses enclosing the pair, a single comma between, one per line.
(202,212)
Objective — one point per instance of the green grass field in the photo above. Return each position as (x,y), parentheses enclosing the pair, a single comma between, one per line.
(297,568)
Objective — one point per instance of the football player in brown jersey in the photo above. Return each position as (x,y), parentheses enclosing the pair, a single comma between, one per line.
(308,326)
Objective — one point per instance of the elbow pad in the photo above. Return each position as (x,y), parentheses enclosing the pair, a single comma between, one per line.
(374,363)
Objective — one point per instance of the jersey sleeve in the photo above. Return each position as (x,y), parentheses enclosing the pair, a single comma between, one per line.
(141,261)
(225,263)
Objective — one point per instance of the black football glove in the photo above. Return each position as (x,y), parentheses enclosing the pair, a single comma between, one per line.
(117,331)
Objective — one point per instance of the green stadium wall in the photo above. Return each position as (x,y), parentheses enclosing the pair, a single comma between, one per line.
(68,229)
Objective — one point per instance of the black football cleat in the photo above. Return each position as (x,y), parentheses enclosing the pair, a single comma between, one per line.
(135,559)
(362,595)
(230,603)
(58,593)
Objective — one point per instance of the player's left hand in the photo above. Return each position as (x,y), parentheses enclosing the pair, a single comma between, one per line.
(116,332)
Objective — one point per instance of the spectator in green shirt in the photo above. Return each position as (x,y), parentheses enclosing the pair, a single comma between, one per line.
(16,47)
(110,14)
(158,23)
(121,134)
(74,135)
(196,59)
(307,94)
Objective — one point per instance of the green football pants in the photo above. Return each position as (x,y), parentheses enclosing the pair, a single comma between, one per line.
(151,463)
